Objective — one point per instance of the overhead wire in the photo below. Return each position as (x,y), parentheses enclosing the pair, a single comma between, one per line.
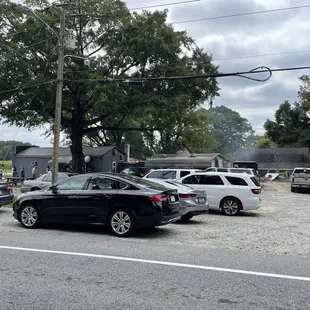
(163,5)
(240,14)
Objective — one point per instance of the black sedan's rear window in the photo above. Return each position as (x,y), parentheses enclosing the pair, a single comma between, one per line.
(144,182)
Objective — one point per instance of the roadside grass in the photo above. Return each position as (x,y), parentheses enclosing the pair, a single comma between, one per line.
(7,169)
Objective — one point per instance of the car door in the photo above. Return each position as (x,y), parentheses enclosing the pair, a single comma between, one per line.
(99,197)
(212,184)
(62,202)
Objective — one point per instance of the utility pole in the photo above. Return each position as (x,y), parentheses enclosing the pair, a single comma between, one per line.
(57,122)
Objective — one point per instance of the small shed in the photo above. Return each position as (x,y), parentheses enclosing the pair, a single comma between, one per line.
(105,158)
(187,160)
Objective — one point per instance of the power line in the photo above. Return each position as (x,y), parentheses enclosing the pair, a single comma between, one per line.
(242,74)
(163,5)
(27,86)
(241,14)
(261,55)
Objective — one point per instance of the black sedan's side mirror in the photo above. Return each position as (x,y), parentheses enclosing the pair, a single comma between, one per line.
(54,189)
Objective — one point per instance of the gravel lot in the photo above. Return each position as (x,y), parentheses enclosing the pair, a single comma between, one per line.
(281,226)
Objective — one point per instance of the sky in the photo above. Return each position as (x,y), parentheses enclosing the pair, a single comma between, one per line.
(231,41)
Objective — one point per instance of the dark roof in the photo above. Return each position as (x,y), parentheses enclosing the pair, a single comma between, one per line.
(65,151)
(275,159)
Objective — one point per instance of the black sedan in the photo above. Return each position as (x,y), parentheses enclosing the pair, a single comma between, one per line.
(122,202)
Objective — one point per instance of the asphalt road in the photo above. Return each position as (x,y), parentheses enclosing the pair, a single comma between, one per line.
(63,267)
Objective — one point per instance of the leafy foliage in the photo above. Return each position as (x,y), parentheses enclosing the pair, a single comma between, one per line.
(120,45)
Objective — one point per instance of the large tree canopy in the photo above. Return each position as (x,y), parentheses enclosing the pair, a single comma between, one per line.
(120,45)
(291,127)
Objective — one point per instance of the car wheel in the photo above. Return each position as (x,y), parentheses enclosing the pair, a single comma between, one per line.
(293,189)
(122,223)
(186,217)
(29,216)
(35,189)
(231,206)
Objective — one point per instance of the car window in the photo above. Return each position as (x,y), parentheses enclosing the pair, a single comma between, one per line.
(255,181)
(210,169)
(43,178)
(143,182)
(222,170)
(62,176)
(155,175)
(236,181)
(169,175)
(123,186)
(76,183)
(184,173)
(101,183)
(211,180)
(193,179)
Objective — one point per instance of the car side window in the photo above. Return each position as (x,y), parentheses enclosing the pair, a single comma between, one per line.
(48,178)
(193,179)
(44,179)
(155,175)
(184,173)
(222,170)
(211,180)
(236,181)
(76,183)
(122,186)
(169,175)
(101,183)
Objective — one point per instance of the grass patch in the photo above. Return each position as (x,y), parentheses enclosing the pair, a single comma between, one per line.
(7,169)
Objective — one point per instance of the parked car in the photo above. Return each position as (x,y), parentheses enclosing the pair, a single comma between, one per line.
(6,194)
(228,192)
(122,202)
(193,202)
(137,171)
(43,181)
(169,174)
(234,170)
(300,179)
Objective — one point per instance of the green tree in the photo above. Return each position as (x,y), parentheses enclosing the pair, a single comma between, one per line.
(120,45)
(266,142)
(6,148)
(230,129)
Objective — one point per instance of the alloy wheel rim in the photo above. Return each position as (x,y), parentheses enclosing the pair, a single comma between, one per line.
(230,207)
(29,216)
(120,223)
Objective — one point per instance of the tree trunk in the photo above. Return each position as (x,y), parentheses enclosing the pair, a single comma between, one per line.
(77,148)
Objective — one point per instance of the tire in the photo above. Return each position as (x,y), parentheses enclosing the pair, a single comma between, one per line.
(122,223)
(292,189)
(231,206)
(185,218)
(35,189)
(29,216)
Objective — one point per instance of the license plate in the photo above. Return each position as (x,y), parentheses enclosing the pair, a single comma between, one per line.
(172,198)
(201,200)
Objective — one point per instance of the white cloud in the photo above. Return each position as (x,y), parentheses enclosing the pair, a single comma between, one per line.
(260,34)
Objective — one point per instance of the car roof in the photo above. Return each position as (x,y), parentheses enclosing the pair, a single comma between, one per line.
(219,173)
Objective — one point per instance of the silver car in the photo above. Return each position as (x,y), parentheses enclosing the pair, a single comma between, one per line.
(193,202)
(43,181)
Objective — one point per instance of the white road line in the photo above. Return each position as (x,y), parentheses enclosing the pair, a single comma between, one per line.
(155,262)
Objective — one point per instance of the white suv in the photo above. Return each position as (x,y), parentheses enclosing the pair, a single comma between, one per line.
(169,174)
(229,192)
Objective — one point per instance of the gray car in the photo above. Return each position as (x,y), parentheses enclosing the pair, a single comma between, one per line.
(43,181)
(193,202)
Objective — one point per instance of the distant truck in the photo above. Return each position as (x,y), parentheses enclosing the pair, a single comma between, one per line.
(246,164)
(300,179)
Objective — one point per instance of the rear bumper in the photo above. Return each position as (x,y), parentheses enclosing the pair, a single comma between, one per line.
(300,185)
(158,219)
(195,209)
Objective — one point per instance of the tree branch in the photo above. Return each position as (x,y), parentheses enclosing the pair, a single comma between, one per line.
(97,50)
(96,120)
(91,129)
